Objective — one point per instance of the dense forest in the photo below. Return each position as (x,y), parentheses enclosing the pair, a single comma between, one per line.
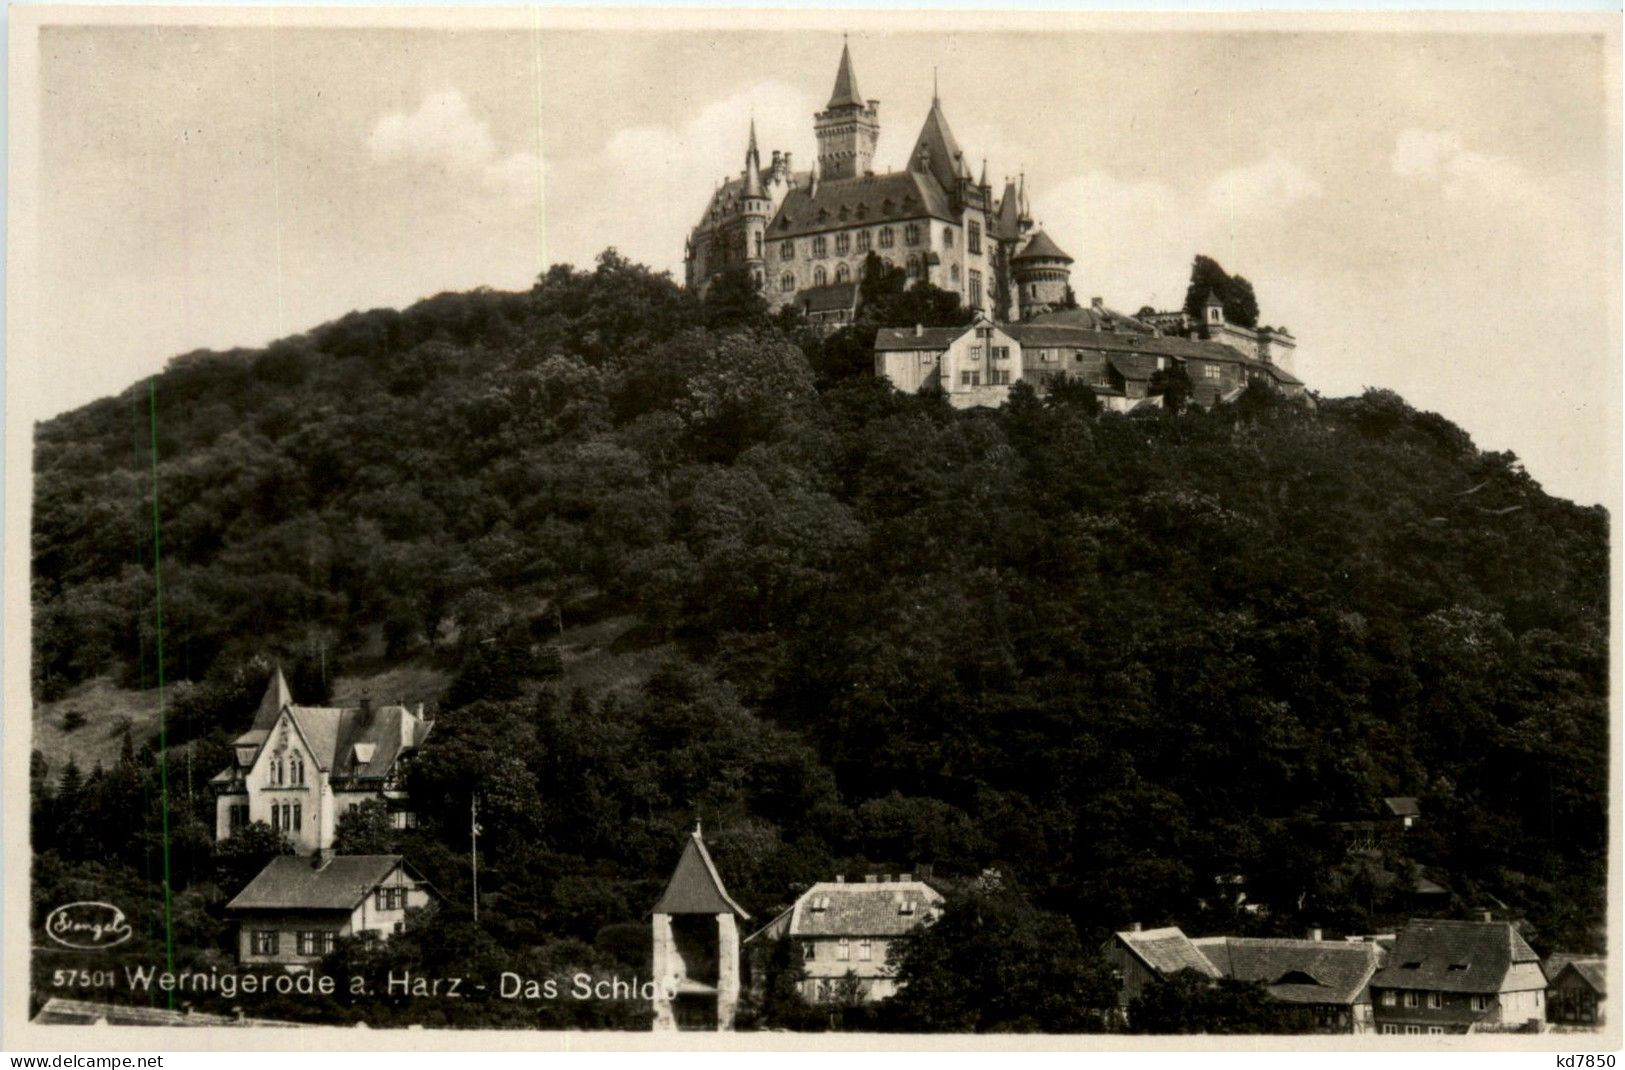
(1094,668)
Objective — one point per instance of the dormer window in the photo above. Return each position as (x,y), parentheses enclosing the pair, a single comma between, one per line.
(906,908)
(820,904)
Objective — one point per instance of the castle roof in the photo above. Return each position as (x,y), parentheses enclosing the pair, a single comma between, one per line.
(1440,955)
(695,886)
(936,152)
(839,203)
(846,92)
(753,167)
(1007,224)
(1095,319)
(832,297)
(291,882)
(1041,247)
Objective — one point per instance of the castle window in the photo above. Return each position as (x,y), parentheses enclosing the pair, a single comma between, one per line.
(911,234)
(842,273)
(787,250)
(947,237)
(843,212)
(887,238)
(973,239)
(843,243)
(954,272)
(758,246)
(913,267)
(820,276)
(975,289)
(863,241)
(886,206)
(863,211)
(787,282)
(820,247)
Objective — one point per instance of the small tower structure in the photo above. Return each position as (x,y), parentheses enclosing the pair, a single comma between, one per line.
(847,128)
(756,211)
(1042,274)
(696,946)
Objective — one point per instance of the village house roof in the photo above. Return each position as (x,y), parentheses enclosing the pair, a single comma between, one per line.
(291,882)
(695,886)
(1167,951)
(1402,806)
(347,742)
(931,338)
(59,1011)
(1094,318)
(1041,247)
(870,909)
(1593,971)
(1296,971)
(1441,955)
(865,200)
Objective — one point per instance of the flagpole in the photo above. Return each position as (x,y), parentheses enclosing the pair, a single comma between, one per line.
(474,849)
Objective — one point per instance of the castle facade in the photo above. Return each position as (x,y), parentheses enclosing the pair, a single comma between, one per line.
(803,236)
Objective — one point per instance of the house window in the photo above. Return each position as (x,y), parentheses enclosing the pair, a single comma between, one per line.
(843,243)
(1435,1030)
(787,250)
(276,771)
(842,273)
(820,247)
(265,942)
(390,898)
(809,950)
(1413,1030)
(947,237)
(1481,1003)
(1413,999)
(296,769)
(1001,352)
(973,239)
(1435,1000)
(1390,998)
(887,238)
(1048,355)
(976,289)
(1211,371)
(998,378)
(787,282)
(965,379)
(911,234)
(820,276)
(843,950)
(309,942)
(1392,1030)
(863,241)
(238,816)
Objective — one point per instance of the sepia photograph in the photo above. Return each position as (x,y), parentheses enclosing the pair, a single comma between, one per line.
(821,528)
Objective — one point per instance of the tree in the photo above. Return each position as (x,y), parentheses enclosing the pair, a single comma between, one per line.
(1173,385)
(240,856)
(995,963)
(734,299)
(1235,292)
(1191,1002)
(775,1002)
(365,830)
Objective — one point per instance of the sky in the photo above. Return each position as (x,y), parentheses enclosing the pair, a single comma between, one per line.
(1434,213)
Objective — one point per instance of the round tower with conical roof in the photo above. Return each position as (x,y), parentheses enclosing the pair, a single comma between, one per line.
(756,211)
(1042,274)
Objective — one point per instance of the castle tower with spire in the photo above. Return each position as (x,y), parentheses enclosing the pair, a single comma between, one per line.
(806,237)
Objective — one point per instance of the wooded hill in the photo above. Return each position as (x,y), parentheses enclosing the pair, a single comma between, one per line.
(1114,658)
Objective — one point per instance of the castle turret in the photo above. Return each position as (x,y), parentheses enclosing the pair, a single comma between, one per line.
(755,210)
(847,128)
(1042,275)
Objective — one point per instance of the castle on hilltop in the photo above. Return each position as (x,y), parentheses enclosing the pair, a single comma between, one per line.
(803,238)
(803,235)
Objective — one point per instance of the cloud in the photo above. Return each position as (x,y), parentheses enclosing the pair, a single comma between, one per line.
(1442,158)
(1269,185)
(444,134)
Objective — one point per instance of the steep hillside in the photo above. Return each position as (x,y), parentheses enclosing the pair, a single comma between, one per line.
(1116,658)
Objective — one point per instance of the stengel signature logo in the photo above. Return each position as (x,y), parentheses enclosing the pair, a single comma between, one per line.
(88,926)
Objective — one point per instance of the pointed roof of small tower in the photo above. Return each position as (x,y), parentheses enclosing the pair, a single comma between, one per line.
(695,886)
(983,182)
(276,698)
(1009,217)
(846,83)
(1021,199)
(1041,247)
(1212,301)
(753,167)
(943,158)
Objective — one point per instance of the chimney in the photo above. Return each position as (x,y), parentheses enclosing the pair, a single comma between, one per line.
(1314,934)
(840,878)
(1485,915)
(778,159)
(1097,303)
(869,878)
(366,708)
(885,878)
(919,330)
(1134,927)
(905,877)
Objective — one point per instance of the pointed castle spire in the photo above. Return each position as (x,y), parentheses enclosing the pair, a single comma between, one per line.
(753,166)
(846,83)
